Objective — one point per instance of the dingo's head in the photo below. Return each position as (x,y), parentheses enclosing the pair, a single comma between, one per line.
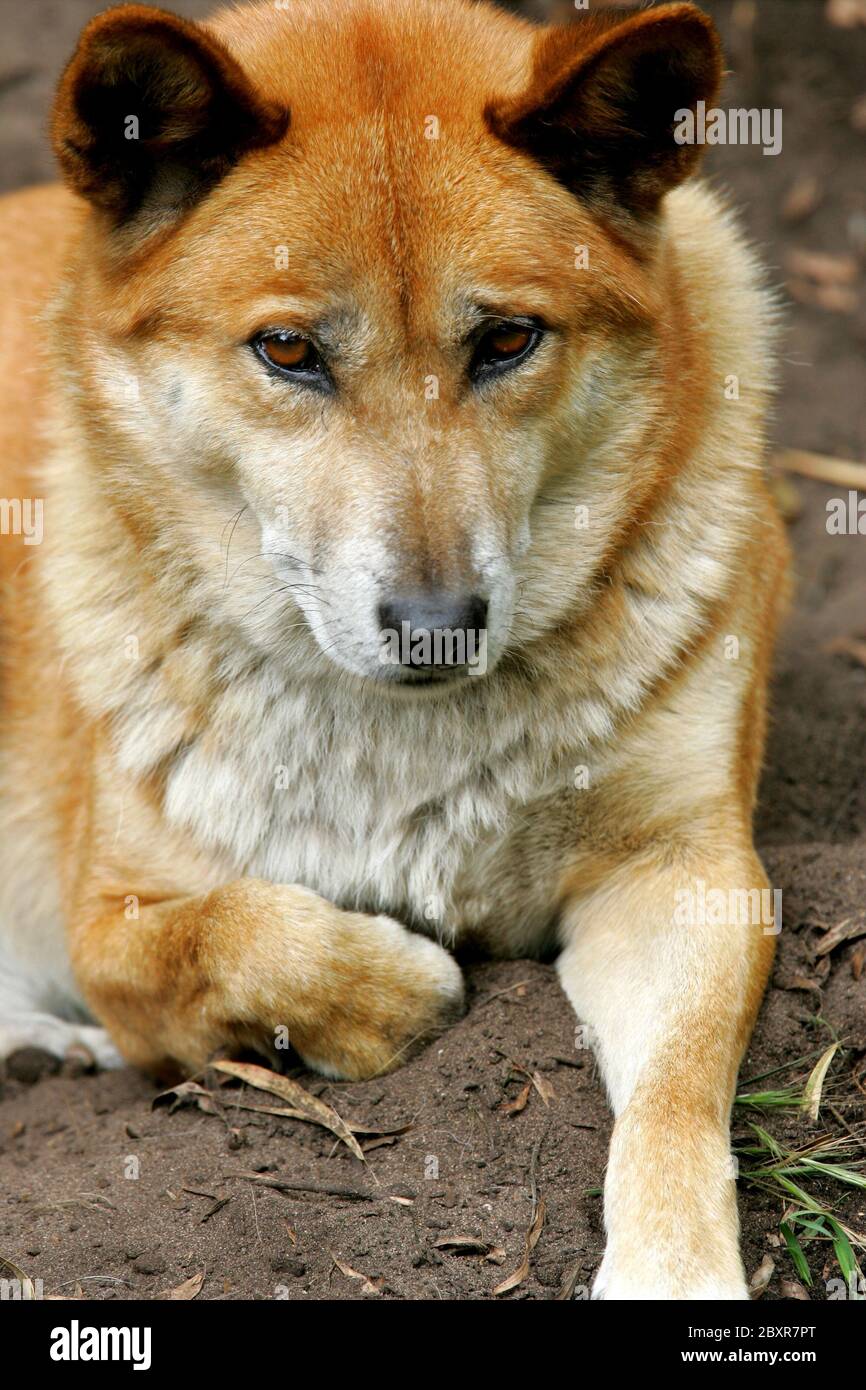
(370,301)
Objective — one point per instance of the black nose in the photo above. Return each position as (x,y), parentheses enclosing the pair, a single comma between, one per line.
(434,628)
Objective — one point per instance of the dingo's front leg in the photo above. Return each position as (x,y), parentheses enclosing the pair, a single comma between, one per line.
(234,967)
(670,1000)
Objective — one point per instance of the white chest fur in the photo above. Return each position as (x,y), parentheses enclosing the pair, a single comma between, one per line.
(375,804)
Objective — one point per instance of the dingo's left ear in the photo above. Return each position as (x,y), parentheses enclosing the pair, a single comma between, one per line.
(151,111)
(605,97)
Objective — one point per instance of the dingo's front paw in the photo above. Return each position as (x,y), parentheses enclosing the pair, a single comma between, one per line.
(351,993)
(413,992)
(644,1277)
(266,966)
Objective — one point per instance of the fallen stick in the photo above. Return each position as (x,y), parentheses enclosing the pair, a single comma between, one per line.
(322,1189)
(822,467)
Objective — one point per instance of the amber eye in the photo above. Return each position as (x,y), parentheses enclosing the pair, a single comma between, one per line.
(503,346)
(291,355)
(287,352)
(508,342)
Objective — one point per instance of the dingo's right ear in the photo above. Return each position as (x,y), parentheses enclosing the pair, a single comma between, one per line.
(152,111)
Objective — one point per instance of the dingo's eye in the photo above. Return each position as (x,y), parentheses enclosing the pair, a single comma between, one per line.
(291,355)
(502,346)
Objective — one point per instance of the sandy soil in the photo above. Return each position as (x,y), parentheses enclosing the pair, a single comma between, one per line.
(72,1214)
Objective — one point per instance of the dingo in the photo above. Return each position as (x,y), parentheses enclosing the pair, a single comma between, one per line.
(364,314)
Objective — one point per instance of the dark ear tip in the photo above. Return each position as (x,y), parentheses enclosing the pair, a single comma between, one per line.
(694,25)
(128,17)
(691,25)
(110,30)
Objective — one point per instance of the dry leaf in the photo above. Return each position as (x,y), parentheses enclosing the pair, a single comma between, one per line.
(762,1276)
(792,1288)
(304,1106)
(383,1140)
(371,1286)
(802,982)
(514,1107)
(811,1101)
(464,1245)
(543,1087)
(531,1241)
(189,1289)
(858,957)
(848,930)
(11,1271)
(188,1093)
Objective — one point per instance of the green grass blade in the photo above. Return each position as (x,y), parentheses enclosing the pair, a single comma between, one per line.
(795,1250)
(836,1171)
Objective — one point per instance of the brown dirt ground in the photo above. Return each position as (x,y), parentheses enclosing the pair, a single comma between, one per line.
(69,1216)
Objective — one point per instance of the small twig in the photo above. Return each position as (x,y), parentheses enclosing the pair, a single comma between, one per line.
(533,1164)
(218,1206)
(321,1189)
(840,472)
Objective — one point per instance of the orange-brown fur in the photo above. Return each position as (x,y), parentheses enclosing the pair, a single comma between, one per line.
(145,657)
